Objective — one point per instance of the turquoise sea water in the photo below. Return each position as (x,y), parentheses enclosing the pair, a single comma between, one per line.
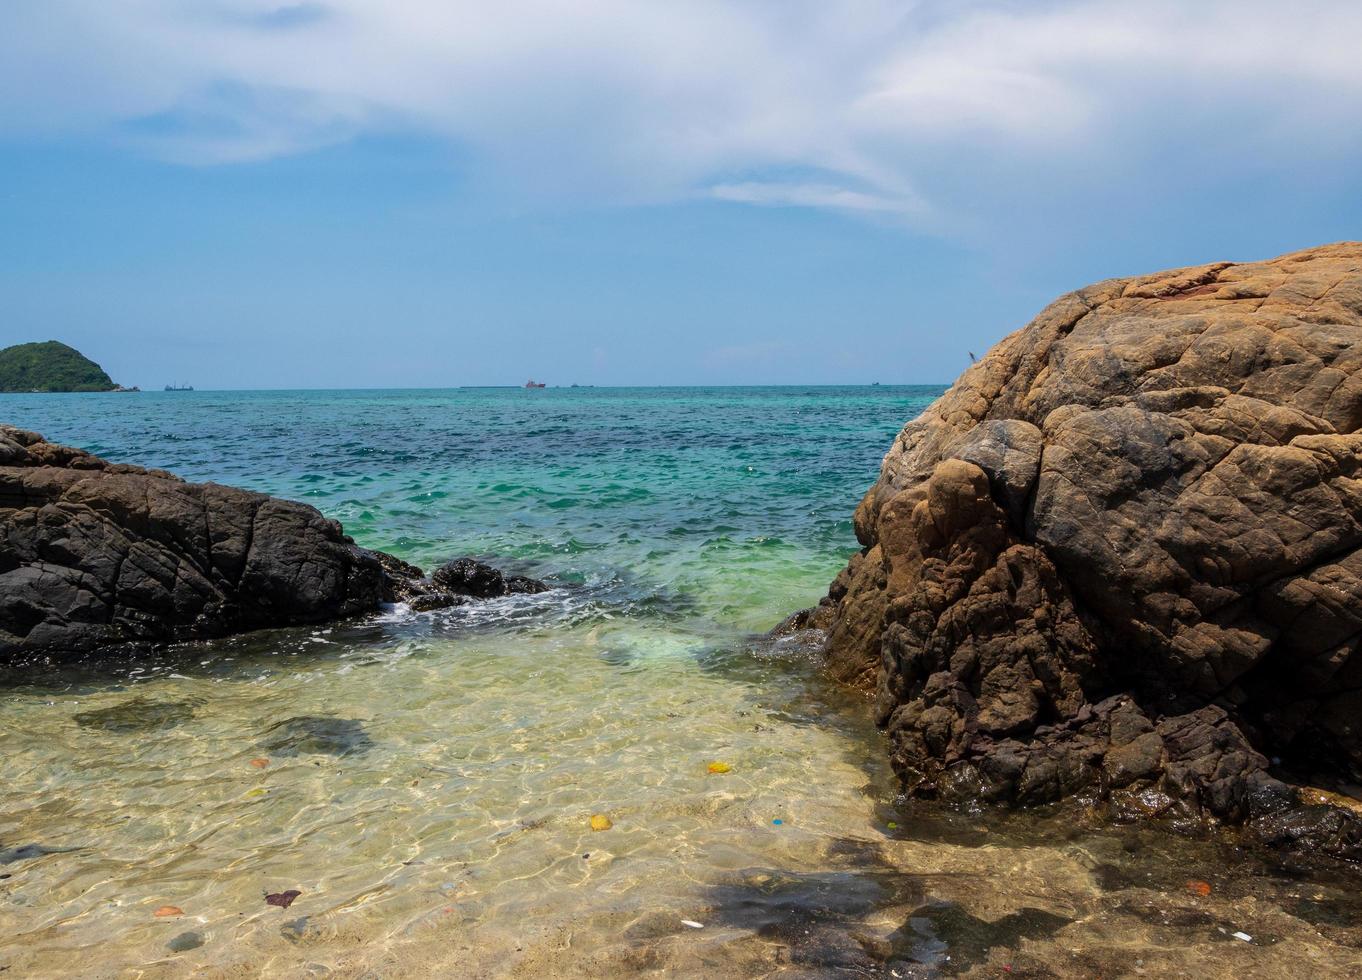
(427,782)
(732,503)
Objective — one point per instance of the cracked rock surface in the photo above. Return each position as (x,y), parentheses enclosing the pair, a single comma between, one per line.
(1123,552)
(95,553)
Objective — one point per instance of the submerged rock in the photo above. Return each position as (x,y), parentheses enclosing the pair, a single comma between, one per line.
(310,734)
(1124,551)
(95,553)
(27,852)
(184,942)
(137,714)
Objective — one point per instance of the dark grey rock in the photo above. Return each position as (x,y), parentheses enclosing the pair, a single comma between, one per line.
(94,553)
(436,599)
(469,577)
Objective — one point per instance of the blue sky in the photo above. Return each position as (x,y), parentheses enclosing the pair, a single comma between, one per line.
(246,193)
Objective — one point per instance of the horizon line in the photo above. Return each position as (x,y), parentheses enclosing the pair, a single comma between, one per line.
(503,387)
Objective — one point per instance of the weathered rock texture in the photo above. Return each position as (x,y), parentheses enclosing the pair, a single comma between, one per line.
(94,553)
(1124,551)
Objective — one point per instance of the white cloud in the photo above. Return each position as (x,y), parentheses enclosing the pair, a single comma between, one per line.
(636,101)
(789,194)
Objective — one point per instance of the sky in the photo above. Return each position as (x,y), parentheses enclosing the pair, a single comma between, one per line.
(429,193)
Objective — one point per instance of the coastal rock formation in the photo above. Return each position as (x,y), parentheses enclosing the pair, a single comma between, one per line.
(94,553)
(1123,553)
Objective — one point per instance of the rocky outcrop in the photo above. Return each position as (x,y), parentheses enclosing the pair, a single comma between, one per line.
(1123,553)
(94,553)
(455,583)
(469,577)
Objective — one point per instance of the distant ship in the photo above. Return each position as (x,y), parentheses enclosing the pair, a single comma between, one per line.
(179,387)
(535,384)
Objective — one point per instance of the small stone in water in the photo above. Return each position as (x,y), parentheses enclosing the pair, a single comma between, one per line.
(282,899)
(692,923)
(600,821)
(892,826)
(260,763)
(184,942)
(1201,888)
(1243,935)
(719,768)
(166,911)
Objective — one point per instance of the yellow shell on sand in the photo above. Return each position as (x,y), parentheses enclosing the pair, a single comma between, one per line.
(599,821)
(720,767)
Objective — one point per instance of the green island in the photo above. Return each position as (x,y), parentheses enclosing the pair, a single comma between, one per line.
(51,366)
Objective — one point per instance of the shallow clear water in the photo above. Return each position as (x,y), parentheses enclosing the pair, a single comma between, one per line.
(428,781)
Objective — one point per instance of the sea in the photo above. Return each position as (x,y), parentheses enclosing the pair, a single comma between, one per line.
(625,775)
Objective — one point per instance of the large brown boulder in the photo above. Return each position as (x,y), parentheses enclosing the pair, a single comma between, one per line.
(94,553)
(1123,553)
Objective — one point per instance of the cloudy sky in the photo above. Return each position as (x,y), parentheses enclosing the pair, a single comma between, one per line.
(244,193)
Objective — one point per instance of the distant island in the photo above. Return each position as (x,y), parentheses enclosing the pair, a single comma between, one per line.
(51,366)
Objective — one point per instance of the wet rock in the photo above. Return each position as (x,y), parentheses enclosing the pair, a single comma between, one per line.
(94,553)
(944,934)
(405,581)
(309,735)
(137,714)
(184,942)
(469,577)
(818,918)
(1149,491)
(817,617)
(1324,829)
(436,599)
